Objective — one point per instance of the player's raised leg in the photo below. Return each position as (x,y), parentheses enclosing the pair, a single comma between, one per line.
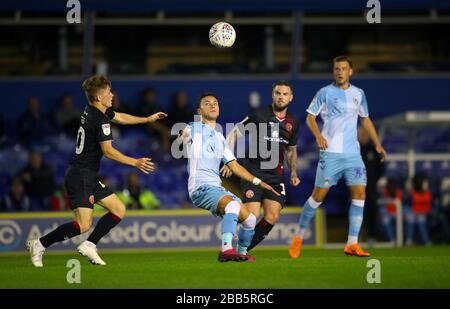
(355,221)
(116,212)
(309,210)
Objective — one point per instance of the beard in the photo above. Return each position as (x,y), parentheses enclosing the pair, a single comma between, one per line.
(279,108)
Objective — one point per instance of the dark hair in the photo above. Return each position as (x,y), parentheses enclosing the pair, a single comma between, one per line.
(93,84)
(283,83)
(391,186)
(342,59)
(206,94)
(418,182)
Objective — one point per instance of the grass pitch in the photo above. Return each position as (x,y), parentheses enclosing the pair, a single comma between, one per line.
(412,267)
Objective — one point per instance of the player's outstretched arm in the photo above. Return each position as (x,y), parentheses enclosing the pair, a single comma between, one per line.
(291,158)
(123,118)
(312,125)
(241,172)
(143,164)
(367,124)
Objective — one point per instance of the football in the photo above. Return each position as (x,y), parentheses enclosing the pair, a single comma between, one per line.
(222,35)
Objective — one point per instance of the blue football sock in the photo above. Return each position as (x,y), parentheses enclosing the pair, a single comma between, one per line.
(245,238)
(355,220)
(307,214)
(229,222)
(227,241)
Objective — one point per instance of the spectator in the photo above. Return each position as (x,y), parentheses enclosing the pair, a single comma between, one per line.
(67,116)
(32,126)
(137,197)
(148,106)
(392,196)
(16,200)
(39,181)
(59,200)
(180,110)
(421,204)
(374,170)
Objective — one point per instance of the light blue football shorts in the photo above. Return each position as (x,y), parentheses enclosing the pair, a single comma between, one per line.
(332,166)
(208,197)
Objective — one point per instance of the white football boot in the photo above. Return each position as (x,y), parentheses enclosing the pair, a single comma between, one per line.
(89,250)
(36,252)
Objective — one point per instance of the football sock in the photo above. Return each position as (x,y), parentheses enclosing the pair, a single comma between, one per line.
(104,225)
(355,220)
(262,229)
(62,232)
(246,233)
(227,239)
(229,222)
(309,210)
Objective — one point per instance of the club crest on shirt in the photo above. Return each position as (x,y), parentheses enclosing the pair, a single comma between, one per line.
(355,100)
(288,127)
(91,199)
(106,128)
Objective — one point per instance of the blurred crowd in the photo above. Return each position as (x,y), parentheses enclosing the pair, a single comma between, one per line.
(35,184)
(411,198)
(34,187)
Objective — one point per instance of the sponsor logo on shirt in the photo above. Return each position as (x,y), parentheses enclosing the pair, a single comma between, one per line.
(276,139)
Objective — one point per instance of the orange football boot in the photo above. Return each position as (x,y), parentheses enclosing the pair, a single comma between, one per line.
(295,248)
(355,250)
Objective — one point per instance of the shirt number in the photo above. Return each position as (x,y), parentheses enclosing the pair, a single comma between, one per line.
(283,189)
(80,140)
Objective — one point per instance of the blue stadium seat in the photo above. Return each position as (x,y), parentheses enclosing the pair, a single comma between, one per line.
(5,180)
(13,159)
(396,169)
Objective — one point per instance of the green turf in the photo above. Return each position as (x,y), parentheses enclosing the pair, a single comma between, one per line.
(413,267)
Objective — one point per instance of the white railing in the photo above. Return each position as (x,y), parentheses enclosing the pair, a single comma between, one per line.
(398,217)
(411,158)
